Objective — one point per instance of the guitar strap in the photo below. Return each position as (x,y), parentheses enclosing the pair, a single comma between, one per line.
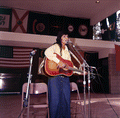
(40,70)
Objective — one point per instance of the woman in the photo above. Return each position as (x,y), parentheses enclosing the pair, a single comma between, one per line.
(59,86)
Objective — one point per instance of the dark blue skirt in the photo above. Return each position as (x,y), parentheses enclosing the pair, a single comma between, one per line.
(59,97)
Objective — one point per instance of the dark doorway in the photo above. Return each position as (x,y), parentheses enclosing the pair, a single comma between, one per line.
(100,84)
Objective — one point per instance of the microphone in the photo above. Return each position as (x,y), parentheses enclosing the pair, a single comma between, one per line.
(69,41)
(33,52)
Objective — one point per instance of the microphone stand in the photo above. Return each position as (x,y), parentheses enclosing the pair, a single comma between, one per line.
(27,97)
(85,64)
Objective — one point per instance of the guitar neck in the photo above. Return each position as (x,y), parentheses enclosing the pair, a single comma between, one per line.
(73,69)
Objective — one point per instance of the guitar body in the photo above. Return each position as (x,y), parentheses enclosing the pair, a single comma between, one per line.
(51,68)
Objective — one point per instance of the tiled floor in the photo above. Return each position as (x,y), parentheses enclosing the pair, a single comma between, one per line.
(101,106)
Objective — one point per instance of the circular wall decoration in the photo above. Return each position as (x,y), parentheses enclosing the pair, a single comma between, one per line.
(40,27)
(83,30)
(70,28)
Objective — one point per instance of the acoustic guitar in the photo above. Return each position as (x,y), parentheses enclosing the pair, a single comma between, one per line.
(51,68)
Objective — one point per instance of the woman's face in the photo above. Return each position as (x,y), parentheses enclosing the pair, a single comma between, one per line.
(64,39)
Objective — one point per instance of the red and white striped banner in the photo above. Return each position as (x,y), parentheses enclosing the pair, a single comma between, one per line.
(20,58)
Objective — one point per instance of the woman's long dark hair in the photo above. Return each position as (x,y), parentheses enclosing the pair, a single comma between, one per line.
(59,40)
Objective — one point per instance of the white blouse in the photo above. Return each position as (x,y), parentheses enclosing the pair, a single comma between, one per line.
(49,53)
